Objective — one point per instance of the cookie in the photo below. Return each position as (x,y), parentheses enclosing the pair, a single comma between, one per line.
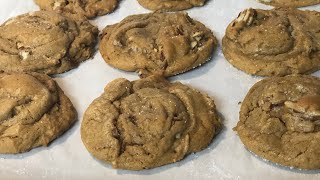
(33,111)
(170,5)
(274,42)
(88,8)
(167,43)
(280,121)
(45,42)
(290,3)
(148,123)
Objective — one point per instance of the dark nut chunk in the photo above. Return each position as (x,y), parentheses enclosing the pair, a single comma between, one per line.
(246,16)
(309,105)
(303,115)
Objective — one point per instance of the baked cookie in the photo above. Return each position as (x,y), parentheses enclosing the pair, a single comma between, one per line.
(45,42)
(168,43)
(33,111)
(280,121)
(148,123)
(170,5)
(274,42)
(290,3)
(88,8)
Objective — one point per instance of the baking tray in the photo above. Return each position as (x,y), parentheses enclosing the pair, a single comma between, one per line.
(226,158)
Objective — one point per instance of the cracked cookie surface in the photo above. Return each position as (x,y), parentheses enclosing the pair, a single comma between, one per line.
(280,121)
(148,123)
(170,5)
(45,42)
(290,3)
(33,111)
(88,8)
(274,42)
(167,43)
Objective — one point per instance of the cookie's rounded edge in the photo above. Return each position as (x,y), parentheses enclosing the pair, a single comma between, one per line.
(88,12)
(289,5)
(169,6)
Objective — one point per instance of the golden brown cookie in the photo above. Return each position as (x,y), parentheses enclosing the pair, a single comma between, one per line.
(148,123)
(274,42)
(170,5)
(168,43)
(33,111)
(88,8)
(45,42)
(290,3)
(280,121)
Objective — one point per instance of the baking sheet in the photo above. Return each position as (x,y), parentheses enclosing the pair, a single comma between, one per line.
(226,158)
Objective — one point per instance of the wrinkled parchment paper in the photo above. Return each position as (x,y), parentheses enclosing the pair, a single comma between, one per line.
(226,158)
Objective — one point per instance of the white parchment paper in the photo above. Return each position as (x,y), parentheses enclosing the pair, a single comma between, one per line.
(226,158)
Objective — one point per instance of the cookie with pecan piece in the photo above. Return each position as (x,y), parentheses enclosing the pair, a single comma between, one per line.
(166,43)
(274,42)
(33,111)
(45,42)
(148,123)
(280,121)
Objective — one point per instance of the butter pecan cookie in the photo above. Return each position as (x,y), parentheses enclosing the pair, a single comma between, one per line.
(280,121)
(274,42)
(290,3)
(170,5)
(88,8)
(33,112)
(148,123)
(45,42)
(168,43)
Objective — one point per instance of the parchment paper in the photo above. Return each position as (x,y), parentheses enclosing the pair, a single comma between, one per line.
(226,158)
